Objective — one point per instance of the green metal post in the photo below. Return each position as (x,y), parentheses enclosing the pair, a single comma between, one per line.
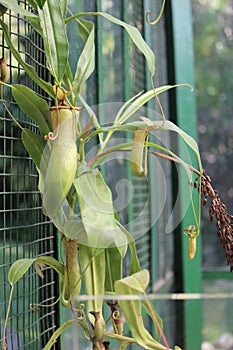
(186,119)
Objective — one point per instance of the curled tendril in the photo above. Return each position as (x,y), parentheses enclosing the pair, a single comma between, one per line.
(79,312)
(37,307)
(50,136)
(80,315)
(157,18)
(116,315)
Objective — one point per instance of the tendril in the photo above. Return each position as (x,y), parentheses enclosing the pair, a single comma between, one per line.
(36,307)
(157,18)
(79,312)
(116,315)
(51,136)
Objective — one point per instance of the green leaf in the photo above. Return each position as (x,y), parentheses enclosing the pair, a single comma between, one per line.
(86,62)
(132,309)
(51,262)
(133,33)
(153,126)
(55,38)
(34,144)
(92,115)
(134,104)
(97,211)
(127,110)
(98,160)
(3,9)
(158,323)
(32,3)
(137,282)
(28,69)
(33,106)
(93,270)
(74,230)
(63,5)
(114,259)
(168,125)
(13,6)
(134,262)
(35,22)
(18,269)
(40,3)
(68,78)
(57,333)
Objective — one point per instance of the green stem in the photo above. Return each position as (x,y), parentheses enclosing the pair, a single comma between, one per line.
(81,151)
(158,17)
(4,344)
(118,337)
(154,317)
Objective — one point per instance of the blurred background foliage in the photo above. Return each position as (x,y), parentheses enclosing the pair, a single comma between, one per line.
(213,46)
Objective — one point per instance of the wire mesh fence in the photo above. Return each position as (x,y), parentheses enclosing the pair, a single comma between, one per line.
(24,230)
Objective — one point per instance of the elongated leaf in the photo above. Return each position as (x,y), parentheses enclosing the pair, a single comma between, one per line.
(134,262)
(132,309)
(74,230)
(40,3)
(32,3)
(63,5)
(35,22)
(138,282)
(18,269)
(3,9)
(57,334)
(34,144)
(97,212)
(154,126)
(12,5)
(55,38)
(126,105)
(114,261)
(28,69)
(86,62)
(133,33)
(92,115)
(34,106)
(158,323)
(93,269)
(134,104)
(51,262)
(168,125)
(124,114)
(68,78)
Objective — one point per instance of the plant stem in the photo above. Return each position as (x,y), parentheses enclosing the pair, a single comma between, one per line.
(4,344)
(121,338)
(73,279)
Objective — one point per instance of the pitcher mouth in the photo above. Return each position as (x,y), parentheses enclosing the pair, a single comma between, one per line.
(78,109)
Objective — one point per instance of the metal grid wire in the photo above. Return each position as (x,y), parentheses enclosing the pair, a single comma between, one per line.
(24,231)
